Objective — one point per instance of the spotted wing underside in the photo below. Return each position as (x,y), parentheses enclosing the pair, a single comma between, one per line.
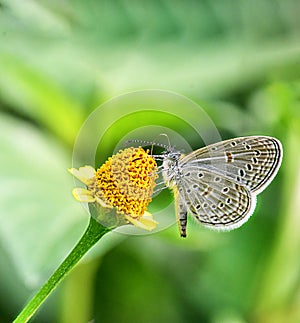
(214,200)
(249,161)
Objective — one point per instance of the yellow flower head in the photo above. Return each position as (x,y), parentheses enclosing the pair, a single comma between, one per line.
(124,182)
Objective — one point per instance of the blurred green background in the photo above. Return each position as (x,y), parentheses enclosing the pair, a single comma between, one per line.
(59,60)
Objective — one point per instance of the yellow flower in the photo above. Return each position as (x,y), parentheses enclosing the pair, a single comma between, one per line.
(122,187)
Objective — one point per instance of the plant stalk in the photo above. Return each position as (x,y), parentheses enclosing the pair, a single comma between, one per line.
(92,235)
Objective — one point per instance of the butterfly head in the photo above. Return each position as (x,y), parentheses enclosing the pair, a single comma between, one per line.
(170,166)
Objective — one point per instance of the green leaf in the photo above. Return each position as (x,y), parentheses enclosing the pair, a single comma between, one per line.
(40,220)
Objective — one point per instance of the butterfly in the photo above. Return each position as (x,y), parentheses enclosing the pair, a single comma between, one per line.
(218,184)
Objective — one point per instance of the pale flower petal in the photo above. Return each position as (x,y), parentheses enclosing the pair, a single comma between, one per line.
(83,195)
(145,222)
(85,174)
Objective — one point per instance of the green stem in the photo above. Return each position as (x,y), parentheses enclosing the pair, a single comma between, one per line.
(92,234)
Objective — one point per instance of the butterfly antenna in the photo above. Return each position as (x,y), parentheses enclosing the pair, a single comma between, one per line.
(145,142)
(165,135)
